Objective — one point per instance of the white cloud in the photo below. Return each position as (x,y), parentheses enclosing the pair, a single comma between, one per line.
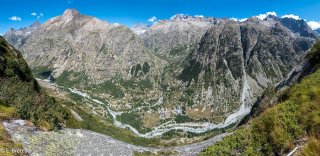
(152,19)
(40,15)
(15,18)
(291,16)
(263,16)
(314,25)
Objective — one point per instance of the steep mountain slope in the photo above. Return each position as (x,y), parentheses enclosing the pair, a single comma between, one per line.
(292,126)
(174,37)
(78,43)
(231,67)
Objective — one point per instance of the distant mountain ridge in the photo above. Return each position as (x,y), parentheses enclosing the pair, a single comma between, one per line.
(18,37)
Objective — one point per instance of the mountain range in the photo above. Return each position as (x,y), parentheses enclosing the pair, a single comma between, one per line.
(180,71)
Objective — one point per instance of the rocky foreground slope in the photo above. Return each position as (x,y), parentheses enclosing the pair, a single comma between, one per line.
(189,73)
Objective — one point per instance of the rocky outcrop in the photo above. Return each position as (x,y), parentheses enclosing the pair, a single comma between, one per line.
(174,37)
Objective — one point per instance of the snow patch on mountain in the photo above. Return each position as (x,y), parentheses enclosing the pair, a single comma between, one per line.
(291,16)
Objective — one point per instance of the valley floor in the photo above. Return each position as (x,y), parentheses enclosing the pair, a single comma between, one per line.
(194,127)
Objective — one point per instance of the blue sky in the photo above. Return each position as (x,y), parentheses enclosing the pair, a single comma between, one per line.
(130,12)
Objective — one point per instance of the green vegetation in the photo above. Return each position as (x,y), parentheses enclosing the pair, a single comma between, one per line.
(12,64)
(145,84)
(72,78)
(135,70)
(275,131)
(145,67)
(6,112)
(178,51)
(110,88)
(208,77)
(314,55)
(139,70)
(136,84)
(191,72)
(21,94)
(134,120)
(32,105)
(42,72)
(183,118)
(311,148)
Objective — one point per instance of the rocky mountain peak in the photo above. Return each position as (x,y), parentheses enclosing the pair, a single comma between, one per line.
(183,17)
(179,17)
(36,24)
(270,16)
(71,13)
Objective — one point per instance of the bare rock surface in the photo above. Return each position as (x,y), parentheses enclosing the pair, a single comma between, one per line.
(83,142)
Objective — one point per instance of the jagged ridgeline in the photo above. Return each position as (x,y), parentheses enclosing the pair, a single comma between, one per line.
(21,94)
(189,73)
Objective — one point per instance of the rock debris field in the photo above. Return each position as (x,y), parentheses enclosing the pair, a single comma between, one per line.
(86,143)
